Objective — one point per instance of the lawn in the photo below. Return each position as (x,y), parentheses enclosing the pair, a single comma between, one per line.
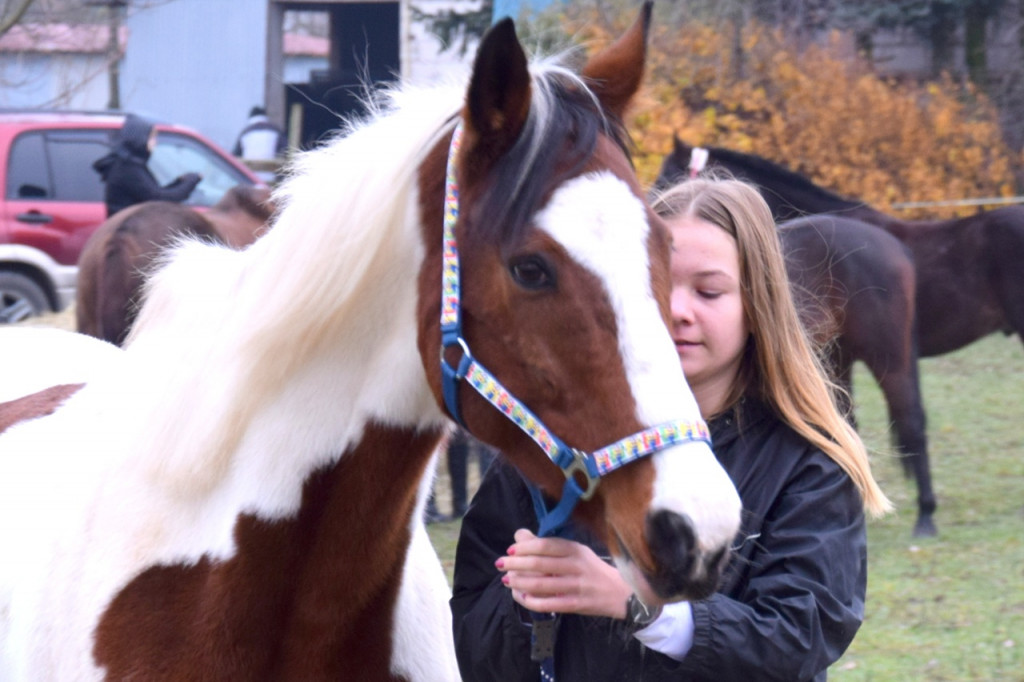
(951,607)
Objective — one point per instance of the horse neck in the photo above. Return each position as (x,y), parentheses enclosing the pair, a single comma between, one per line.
(313,327)
(793,195)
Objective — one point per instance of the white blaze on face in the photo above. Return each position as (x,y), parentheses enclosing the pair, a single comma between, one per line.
(603,225)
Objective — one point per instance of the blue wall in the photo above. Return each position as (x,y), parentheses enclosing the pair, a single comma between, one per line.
(203,74)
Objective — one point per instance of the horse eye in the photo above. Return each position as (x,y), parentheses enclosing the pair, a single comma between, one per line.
(531,272)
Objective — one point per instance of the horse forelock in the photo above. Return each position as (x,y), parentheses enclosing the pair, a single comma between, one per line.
(557,141)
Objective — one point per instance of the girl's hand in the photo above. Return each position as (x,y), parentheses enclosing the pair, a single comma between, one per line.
(560,576)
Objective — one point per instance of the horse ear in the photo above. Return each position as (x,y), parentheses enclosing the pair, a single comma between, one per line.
(678,146)
(498,99)
(615,72)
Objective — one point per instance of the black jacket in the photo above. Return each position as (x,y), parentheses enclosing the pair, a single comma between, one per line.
(128,178)
(790,604)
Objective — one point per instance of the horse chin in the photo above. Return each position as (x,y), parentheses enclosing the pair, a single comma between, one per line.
(683,573)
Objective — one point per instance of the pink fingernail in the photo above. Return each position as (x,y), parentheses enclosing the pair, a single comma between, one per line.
(499,564)
(511,550)
(504,580)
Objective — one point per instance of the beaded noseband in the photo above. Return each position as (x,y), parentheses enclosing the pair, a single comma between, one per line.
(572,461)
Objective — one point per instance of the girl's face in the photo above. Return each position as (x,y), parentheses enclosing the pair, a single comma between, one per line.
(708,323)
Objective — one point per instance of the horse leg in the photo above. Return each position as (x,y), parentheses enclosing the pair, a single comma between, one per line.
(1009,283)
(906,413)
(844,379)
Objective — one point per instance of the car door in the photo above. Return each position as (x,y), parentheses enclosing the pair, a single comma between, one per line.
(54,198)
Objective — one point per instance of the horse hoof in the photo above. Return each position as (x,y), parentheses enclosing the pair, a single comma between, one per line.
(925,528)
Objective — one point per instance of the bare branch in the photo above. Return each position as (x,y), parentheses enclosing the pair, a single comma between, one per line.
(15,15)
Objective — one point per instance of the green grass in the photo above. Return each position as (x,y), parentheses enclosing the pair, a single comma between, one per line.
(951,607)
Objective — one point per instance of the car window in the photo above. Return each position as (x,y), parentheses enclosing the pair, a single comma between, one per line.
(71,154)
(176,154)
(27,174)
(57,165)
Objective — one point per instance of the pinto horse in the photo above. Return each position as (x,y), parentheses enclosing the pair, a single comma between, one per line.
(239,495)
(126,247)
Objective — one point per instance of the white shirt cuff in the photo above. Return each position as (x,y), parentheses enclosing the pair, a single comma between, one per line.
(671,633)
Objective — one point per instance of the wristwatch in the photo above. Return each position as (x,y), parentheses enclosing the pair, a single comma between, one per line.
(638,614)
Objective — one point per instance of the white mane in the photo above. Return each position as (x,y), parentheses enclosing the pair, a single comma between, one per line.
(331,282)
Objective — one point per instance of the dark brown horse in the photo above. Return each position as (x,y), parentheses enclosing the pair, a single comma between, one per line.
(969,274)
(125,248)
(856,289)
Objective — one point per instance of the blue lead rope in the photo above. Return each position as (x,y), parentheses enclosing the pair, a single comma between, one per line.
(545,625)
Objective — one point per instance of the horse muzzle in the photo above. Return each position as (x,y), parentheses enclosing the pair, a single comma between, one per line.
(678,569)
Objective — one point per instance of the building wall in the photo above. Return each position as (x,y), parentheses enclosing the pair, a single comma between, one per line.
(64,80)
(426,59)
(197,62)
(202,63)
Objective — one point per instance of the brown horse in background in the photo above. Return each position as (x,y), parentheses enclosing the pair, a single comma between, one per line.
(855,287)
(123,250)
(970,281)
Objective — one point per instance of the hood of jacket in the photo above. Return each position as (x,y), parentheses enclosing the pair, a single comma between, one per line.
(130,143)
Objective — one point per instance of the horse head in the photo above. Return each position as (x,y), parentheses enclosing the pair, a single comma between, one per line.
(563,293)
(242,214)
(677,165)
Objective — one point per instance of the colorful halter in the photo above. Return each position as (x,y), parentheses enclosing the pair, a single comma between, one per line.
(570,460)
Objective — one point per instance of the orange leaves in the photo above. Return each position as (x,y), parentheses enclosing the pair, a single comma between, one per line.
(820,112)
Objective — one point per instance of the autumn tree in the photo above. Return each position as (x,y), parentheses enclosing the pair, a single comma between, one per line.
(818,110)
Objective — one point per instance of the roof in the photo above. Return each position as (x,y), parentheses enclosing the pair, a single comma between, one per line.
(296,44)
(53,116)
(92,39)
(57,38)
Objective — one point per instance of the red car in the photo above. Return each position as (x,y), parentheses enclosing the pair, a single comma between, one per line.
(53,199)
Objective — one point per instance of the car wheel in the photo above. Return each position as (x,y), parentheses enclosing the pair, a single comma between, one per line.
(20,297)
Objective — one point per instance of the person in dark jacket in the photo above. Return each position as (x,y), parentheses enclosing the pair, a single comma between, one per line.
(127,177)
(793,596)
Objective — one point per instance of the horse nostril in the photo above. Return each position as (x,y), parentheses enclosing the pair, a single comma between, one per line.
(681,571)
(672,542)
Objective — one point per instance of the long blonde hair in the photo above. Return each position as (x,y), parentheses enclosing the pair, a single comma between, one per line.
(779,364)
